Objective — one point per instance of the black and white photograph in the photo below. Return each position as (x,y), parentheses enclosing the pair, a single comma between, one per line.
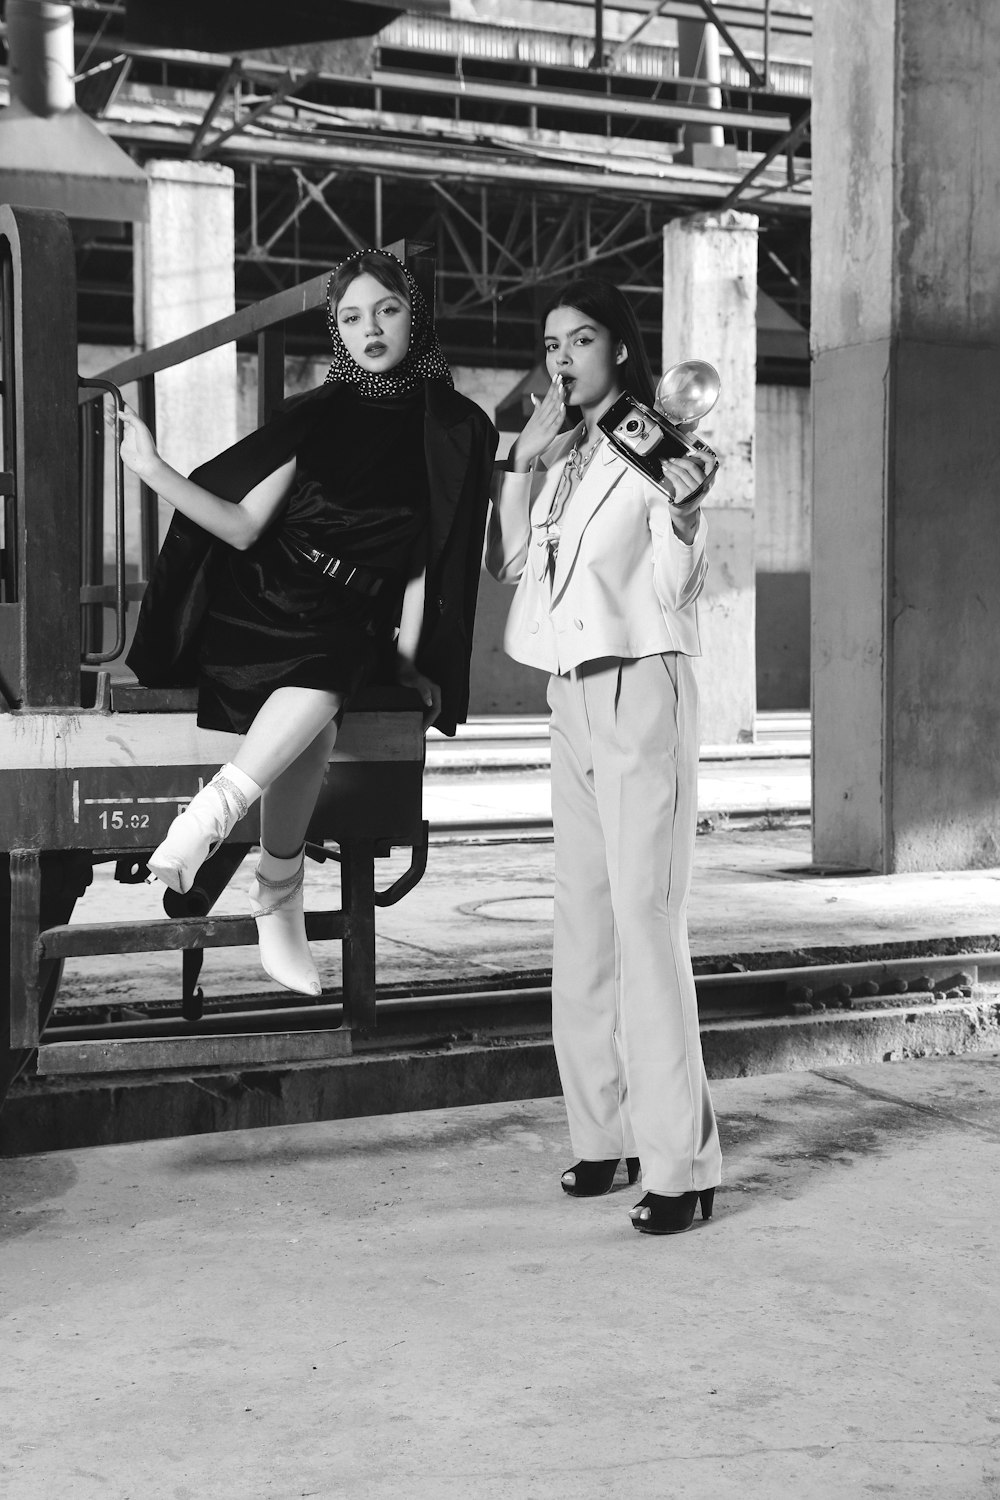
(499,750)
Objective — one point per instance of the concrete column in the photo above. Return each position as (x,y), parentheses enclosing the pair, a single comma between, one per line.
(709,312)
(698,57)
(906,343)
(185,278)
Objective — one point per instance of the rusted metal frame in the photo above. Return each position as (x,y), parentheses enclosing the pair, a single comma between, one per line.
(405,162)
(8,388)
(259,217)
(597,60)
(357,867)
(544,270)
(91,939)
(225,83)
(91,438)
(473,273)
(727,36)
(568,267)
(119,600)
(620,225)
(478,223)
(764,193)
(316,196)
(655,10)
(787,144)
(484,235)
(43,656)
(299,207)
(205,1051)
(749,17)
(285,91)
(507,253)
(666,112)
(149,501)
(25,958)
(572,262)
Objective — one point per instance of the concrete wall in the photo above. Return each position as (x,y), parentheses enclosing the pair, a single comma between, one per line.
(906,328)
(184,278)
(782,545)
(709,312)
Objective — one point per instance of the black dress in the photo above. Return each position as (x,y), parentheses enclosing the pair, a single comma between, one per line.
(456,461)
(360,493)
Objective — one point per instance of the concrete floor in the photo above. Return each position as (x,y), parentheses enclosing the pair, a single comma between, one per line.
(407,1305)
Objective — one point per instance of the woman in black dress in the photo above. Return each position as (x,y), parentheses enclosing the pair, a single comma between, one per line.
(352,551)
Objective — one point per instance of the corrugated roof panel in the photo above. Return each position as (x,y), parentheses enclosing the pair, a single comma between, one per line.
(553,49)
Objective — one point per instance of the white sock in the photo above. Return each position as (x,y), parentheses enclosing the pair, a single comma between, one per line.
(208,818)
(277,905)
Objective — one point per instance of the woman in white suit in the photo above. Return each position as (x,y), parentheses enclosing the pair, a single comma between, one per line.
(608,569)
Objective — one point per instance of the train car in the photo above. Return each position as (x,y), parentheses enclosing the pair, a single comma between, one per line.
(93,767)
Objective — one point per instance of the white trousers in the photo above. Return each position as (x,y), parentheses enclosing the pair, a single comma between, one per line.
(624,1010)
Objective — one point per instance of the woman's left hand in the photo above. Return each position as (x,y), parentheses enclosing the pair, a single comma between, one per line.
(408,676)
(138,449)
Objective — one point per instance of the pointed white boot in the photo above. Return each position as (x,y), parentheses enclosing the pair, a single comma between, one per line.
(199,830)
(276,905)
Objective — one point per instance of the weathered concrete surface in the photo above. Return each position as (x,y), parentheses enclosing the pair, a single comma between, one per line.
(906,338)
(185,278)
(709,312)
(50,1114)
(409,1306)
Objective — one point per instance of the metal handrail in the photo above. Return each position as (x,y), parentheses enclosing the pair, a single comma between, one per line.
(97,658)
(305,297)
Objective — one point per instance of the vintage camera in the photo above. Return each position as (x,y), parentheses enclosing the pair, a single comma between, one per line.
(645,437)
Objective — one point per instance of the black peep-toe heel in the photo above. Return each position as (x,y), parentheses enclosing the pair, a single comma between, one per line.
(671,1215)
(596,1177)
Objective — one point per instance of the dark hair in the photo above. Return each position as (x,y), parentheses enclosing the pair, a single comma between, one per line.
(386,270)
(607,305)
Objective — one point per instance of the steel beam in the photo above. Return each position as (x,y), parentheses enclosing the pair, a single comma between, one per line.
(787,143)
(579,102)
(712,14)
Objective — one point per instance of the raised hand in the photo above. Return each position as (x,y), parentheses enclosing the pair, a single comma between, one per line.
(138,450)
(690,479)
(544,424)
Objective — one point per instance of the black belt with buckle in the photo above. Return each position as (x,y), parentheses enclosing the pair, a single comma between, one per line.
(364,580)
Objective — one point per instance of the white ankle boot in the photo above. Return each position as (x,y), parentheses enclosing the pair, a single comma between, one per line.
(199,830)
(277,907)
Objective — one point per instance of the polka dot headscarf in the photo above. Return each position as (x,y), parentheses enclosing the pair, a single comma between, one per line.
(422,361)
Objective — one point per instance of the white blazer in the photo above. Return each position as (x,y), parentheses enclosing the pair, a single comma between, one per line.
(624,584)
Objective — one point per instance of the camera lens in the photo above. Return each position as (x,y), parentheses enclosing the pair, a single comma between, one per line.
(633,425)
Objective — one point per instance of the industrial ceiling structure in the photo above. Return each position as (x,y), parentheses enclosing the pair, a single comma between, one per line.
(524,154)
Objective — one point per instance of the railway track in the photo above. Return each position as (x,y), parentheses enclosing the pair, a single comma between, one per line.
(421,1016)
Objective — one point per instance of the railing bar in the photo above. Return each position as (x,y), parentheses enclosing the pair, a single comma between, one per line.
(304,298)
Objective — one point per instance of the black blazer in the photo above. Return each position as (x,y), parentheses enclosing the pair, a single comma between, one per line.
(459,444)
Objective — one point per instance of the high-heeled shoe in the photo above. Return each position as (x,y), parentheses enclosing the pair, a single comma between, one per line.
(592,1178)
(671,1215)
(276,904)
(197,832)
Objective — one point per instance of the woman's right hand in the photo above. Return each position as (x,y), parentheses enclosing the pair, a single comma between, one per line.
(138,450)
(544,424)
